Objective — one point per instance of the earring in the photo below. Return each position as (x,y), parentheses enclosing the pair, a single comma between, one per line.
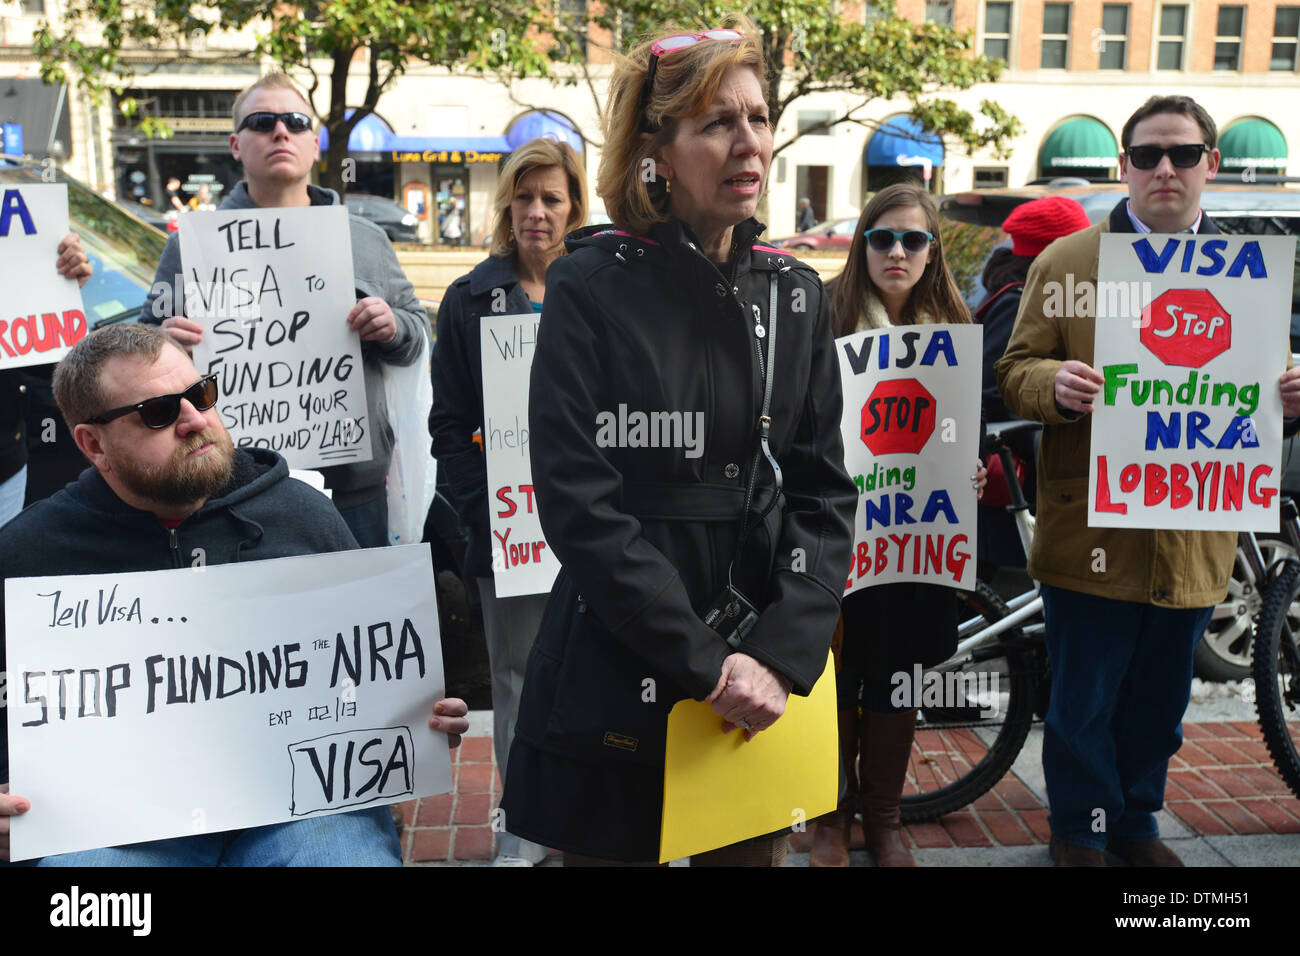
(668,187)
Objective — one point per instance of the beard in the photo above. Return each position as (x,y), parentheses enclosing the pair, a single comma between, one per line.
(182,481)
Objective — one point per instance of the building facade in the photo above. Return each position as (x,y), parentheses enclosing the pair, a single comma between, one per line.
(1075,71)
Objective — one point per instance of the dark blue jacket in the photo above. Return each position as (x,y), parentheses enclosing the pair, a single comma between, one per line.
(87,529)
(458,395)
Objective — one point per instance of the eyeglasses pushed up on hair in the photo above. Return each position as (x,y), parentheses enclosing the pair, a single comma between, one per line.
(161,410)
(1184,157)
(264,122)
(678,41)
(913,240)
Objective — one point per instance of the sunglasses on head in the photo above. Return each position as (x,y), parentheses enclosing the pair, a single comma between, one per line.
(264,122)
(913,240)
(1184,157)
(678,41)
(162,410)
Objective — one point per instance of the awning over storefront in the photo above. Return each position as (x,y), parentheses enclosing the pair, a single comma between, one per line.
(371,135)
(1252,142)
(902,142)
(37,109)
(1079,143)
(543,124)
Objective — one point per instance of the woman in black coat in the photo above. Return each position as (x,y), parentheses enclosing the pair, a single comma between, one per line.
(644,415)
(541,195)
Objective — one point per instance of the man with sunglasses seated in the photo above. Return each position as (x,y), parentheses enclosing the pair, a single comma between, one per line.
(166,483)
(273,139)
(1124,608)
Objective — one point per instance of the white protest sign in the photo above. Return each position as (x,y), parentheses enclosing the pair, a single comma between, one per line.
(911,443)
(41,315)
(521,561)
(156,704)
(273,289)
(1192,336)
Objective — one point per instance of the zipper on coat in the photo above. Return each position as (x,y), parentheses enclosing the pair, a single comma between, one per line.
(175,544)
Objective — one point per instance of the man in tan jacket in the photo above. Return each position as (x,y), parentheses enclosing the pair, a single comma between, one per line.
(1124,608)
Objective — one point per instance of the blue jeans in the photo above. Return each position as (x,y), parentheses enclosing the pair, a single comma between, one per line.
(357,838)
(1121,679)
(368,522)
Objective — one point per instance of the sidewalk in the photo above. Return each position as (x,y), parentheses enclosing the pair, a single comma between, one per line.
(1225,806)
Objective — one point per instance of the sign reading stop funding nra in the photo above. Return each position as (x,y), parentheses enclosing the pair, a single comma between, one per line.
(911,443)
(1187,431)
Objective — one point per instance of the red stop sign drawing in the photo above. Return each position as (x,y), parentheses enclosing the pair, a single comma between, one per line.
(1186,327)
(898,417)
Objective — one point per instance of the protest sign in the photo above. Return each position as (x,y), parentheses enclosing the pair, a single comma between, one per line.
(521,561)
(157,704)
(1191,338)
(911,442)
(272,289)
(42,317)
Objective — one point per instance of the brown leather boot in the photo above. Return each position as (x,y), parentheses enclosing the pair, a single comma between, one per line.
(886,748)
(830,837)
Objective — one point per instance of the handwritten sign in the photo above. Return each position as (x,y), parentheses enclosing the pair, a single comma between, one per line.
(273,289)
(157,704)
(41,315)
(521,561)
(1191,339)
(911,441)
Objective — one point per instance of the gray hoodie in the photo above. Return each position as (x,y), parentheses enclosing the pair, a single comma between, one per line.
(377,273)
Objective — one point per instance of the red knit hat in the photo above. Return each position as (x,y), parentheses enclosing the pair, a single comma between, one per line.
(1033,225)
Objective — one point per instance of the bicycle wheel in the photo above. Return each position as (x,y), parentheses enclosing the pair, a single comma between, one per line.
(1277,671)
(967,741)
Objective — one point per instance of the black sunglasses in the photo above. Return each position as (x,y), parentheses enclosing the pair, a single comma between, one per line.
(913,240)
(1184,157)
(162,410)
(264,122)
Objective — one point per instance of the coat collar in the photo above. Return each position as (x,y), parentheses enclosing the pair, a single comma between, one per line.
(872,315)
(494,272)
(1119,221)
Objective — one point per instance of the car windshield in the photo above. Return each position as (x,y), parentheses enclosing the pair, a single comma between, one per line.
(123,250)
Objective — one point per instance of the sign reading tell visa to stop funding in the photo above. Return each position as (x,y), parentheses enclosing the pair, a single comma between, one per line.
(1191,339)
(272,289)
(522,562)
(41,315)
(158,704)
(911,443)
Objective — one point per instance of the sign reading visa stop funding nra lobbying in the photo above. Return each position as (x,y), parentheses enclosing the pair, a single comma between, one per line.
(1192,336)
(911,442)
(41,314)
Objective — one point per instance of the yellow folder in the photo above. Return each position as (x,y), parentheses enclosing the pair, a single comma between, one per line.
(719,789)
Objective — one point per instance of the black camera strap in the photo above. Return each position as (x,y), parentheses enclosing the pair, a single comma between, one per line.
(763,429)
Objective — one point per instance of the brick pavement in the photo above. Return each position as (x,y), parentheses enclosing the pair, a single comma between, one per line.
(1220,783)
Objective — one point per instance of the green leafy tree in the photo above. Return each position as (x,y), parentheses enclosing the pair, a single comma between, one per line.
(810,49)
(325,40)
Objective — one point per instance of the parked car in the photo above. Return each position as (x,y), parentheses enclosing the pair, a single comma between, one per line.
(162,220)
(834,234)
(1237,208)
(398,223)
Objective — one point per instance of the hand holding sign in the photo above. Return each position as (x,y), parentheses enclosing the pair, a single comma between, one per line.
(73,262)
(9,807)
(185,331)
(1077,386)
(373,320)
(1290,385)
